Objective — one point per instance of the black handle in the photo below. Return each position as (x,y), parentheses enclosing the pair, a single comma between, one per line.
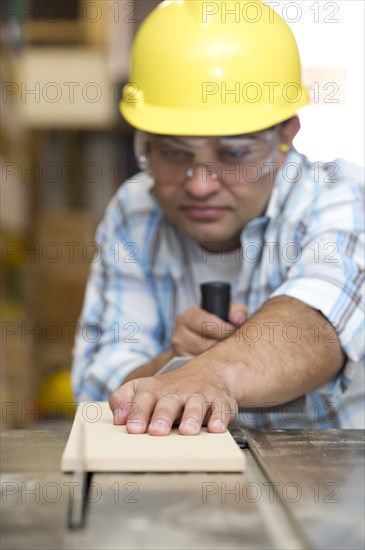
(215,298)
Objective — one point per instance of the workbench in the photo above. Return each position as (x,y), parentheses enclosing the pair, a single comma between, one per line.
(302,489)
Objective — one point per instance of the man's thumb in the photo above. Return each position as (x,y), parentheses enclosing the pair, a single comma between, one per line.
(237,314)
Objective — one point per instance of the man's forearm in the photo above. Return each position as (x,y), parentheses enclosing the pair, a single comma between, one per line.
(268,368)
(150,368)
(285,350)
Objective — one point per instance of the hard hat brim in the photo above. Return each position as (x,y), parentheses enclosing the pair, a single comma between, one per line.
(215,122)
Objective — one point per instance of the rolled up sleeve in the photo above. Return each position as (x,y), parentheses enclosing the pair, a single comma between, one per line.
(328,274)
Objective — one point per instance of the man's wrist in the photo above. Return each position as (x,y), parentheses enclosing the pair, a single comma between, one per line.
(220,368)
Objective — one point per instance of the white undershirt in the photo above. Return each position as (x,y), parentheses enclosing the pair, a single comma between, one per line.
(206,267)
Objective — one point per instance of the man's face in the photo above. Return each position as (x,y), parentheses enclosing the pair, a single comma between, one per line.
(209,187)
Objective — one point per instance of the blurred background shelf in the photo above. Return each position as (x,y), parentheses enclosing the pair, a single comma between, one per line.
(64,152)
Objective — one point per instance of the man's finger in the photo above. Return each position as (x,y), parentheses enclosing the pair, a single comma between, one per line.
(187,342)
(121,402)
(166,411)
(196,320)
(194,413)
(222,413)
(138,420)
(238,314)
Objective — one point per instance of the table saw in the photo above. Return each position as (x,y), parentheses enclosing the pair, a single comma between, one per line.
(301,489)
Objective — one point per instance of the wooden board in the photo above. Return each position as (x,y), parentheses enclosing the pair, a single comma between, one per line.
(109,448)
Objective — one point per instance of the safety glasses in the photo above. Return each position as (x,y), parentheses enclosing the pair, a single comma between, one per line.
(232,159)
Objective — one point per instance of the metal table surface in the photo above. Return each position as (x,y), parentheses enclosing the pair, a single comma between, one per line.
(34,492)
(283,500)
(320,474)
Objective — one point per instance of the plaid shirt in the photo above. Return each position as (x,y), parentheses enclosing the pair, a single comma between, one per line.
(308,245)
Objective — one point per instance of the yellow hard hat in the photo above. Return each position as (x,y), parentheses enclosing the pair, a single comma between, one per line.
(213,68)
(55,395)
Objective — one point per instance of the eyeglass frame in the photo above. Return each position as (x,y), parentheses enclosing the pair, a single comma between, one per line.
(141,138)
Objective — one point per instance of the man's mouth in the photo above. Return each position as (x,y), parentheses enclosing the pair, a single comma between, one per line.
(208,213)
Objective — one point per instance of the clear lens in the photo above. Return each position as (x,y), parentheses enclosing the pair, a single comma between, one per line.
(233,160)
(169,161)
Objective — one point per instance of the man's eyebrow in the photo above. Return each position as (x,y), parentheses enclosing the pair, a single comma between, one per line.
(182,139)
(243,136)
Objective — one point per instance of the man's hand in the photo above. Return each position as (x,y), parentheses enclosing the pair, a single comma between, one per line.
(197,330)
(270,370)
(193,395)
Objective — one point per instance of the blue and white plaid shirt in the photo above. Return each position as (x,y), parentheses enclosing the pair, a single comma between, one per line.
(309,245)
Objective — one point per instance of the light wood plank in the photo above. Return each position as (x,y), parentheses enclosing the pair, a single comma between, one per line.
(110,448)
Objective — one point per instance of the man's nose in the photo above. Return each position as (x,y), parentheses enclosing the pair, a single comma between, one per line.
(203,180)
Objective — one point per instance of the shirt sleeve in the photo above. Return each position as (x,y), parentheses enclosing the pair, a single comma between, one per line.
(120,325)
(328,273)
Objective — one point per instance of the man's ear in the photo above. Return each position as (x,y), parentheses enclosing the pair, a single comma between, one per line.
(289,130)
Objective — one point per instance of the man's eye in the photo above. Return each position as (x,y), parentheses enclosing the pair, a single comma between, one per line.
(235,154)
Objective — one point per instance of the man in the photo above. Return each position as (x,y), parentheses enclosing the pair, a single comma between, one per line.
(223,195)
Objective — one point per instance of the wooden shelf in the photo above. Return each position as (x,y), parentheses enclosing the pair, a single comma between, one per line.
(61,32)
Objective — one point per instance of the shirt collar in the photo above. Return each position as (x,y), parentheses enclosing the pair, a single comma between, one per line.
(284,181)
